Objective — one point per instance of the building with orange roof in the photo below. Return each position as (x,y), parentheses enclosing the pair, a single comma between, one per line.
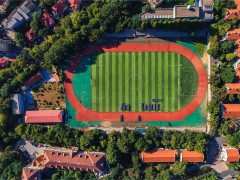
(233,88)
(59,8)
(75,4)
(29,173)
(229,154)
(159,155)
(3,63)
(233,13)
(47,20)
(231,111)
(43,116)
(67,159)
(233,35)
(31,35)
(191,156)
(33,80)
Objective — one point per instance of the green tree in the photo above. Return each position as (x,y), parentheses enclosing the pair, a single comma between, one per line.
(35,22)
(231,57)
(227,73)
(179,168)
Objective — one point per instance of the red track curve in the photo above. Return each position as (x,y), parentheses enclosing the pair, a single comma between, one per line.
(86,114)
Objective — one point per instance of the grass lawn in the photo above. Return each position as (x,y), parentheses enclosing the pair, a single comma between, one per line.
(49,96)
(138,77)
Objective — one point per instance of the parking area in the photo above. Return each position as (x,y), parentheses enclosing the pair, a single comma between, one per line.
(31,149)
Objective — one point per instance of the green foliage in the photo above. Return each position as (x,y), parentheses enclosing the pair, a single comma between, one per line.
(58,135)
(146,8)
(227,73)
(35,22)
(11,164)
(179,168)
(234,139)
(234,166)
(231,57)
(71,174)
(20,39)
(227,46)
(224,129)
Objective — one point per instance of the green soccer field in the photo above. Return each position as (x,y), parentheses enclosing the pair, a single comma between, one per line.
(139,77)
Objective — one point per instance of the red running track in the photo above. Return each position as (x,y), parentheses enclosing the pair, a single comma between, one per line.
(85,114)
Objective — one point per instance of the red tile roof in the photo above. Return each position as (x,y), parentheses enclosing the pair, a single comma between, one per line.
(192,156)
(160,155)
(30,173)
(59,7)
(233,155)
(37,77)
(234,13)
(47,20)
(43,116)
(31,34)
(3,63)
(231,111)
(75,3)
(94,162)
(233,88)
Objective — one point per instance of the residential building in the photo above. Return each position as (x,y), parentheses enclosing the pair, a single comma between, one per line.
(229,154)
(232,35)
(3,63)
(191,156)
(17,104)
(231,111)
(203,11)
(234,13)
(75,4)
(19,15)
(233,88)
(47,20)
(59,8)
(31,35)
(3,5)
(67,159)
(159,155)
(29,173)
(33,80)
(43,117)
(5,46)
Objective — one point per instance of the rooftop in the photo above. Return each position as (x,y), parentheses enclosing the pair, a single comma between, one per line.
(233,88)
(158,14)
(187,11)
(231,111)
(30,173)
(75,3)
(234,13)
(37,77)
(192,156)
(47,20)
(233,155)
(43,116)
(59,7)
(160,155)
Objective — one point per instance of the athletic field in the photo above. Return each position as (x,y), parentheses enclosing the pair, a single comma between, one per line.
(134,78)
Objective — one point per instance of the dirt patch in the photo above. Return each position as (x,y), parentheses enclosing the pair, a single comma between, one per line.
(49,96)
(106,124)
